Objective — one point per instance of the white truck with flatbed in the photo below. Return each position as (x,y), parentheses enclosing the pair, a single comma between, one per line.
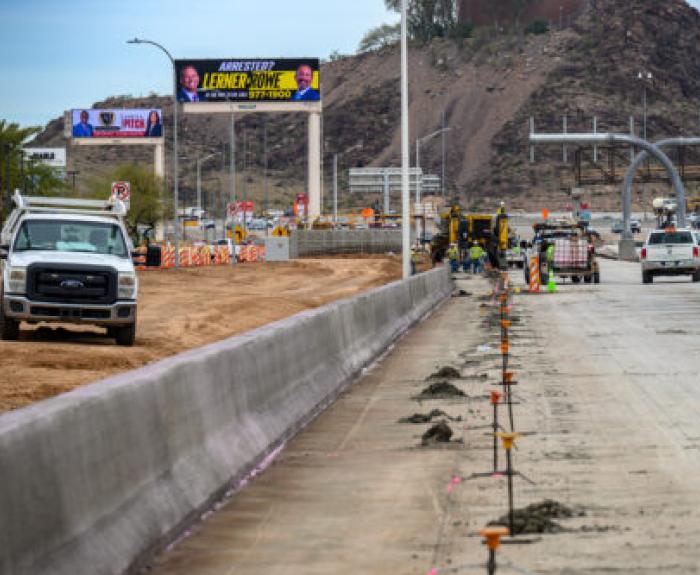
(67,260)
(670,252)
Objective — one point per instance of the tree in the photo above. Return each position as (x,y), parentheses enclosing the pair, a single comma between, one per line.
(18,173)
(380,37)
(148,204)
(428,18)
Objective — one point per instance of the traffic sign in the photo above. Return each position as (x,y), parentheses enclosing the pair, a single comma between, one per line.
(121,191)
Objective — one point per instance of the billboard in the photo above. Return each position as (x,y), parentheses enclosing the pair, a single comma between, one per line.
(52,157)
(249,80)
(110,123)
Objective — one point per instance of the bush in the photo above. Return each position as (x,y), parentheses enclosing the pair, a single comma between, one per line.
(538,27)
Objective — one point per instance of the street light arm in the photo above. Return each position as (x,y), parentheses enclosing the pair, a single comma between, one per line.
(435,133)
(152,43)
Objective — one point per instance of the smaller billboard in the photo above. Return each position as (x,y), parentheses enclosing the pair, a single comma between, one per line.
(52,157)
(111,123)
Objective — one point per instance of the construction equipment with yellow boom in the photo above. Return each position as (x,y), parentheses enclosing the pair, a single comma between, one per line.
(490,231)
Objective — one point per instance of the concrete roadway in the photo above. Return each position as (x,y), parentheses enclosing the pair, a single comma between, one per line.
(608,381)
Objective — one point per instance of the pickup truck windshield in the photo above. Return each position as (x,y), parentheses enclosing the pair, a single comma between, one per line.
(71,236)
(670,238)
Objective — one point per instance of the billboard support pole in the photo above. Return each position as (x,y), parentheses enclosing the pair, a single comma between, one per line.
(314,167)
(159,160)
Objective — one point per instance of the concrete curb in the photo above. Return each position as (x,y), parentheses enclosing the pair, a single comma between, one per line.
(104,475)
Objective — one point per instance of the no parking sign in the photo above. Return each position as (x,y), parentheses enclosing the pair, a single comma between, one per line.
(121,191)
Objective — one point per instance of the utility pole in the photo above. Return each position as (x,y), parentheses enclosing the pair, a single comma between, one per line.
(265,190)
(444,136)
(335,189)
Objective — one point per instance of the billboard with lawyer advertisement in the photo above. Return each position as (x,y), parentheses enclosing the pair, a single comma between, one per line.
(249,80)
(110,123)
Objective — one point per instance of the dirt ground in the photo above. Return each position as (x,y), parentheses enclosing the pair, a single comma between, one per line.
(179,310)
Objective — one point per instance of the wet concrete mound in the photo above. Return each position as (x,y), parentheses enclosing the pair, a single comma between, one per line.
(438,433)
(462,293)
(446,372)
(427,417)
(539,518)
(441,390)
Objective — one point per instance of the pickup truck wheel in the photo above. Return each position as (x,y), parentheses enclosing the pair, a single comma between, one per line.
(596,277)
(9,328)
(126,336)
(587,279)
(647,278)
(696,276)
(575,279)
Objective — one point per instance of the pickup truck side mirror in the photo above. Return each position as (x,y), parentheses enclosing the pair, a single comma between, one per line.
(4,251)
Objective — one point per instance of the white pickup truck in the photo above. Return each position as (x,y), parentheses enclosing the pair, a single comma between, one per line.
(670,252)
(69,261)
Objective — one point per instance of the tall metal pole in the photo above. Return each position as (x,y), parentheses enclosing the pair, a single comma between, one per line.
(405,199)
(244,166)
(335,189)
(644,129)
(232,159)
(199,187)
(418,180)
(265,191)
(442,179)
(176,190)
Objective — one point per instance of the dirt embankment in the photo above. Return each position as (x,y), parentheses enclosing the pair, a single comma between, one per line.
(179,310)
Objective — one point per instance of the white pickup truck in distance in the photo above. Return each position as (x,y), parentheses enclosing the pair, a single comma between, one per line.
(69,261)
(670,252)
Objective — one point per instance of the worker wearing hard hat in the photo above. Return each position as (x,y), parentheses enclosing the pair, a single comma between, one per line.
(501,209)
(453,256)
(476,257)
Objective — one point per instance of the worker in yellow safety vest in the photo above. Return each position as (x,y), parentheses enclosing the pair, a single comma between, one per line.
(476,256)
(453,256)
(414,260)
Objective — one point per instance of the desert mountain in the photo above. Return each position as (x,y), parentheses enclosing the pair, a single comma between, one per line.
(487,87)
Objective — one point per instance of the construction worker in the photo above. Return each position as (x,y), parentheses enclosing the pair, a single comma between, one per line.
(501,209)
(550,254)
(476,256)
(414,260)
(453,256)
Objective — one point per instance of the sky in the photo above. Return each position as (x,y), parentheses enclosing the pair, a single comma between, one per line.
(62,55)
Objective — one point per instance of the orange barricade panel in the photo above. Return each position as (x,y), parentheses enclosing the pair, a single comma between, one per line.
(535,275)
(184,257)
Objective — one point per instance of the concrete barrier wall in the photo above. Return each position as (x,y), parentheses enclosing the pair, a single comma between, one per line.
(94,480)
(318,242)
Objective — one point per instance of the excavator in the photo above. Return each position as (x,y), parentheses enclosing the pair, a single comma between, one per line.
(490,231)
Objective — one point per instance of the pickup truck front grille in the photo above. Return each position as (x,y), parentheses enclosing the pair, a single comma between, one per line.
(71,284)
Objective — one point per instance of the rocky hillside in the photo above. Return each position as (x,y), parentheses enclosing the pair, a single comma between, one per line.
(487,87)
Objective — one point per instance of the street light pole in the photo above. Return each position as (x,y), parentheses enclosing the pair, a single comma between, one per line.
(644,77)
(405,198)
(419,141)
(335,189)
(176,190)
(442,177)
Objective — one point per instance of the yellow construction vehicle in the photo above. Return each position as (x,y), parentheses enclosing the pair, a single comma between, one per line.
(488,230)
(447,234)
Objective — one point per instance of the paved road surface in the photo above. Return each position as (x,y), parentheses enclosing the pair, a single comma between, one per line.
(608,380)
